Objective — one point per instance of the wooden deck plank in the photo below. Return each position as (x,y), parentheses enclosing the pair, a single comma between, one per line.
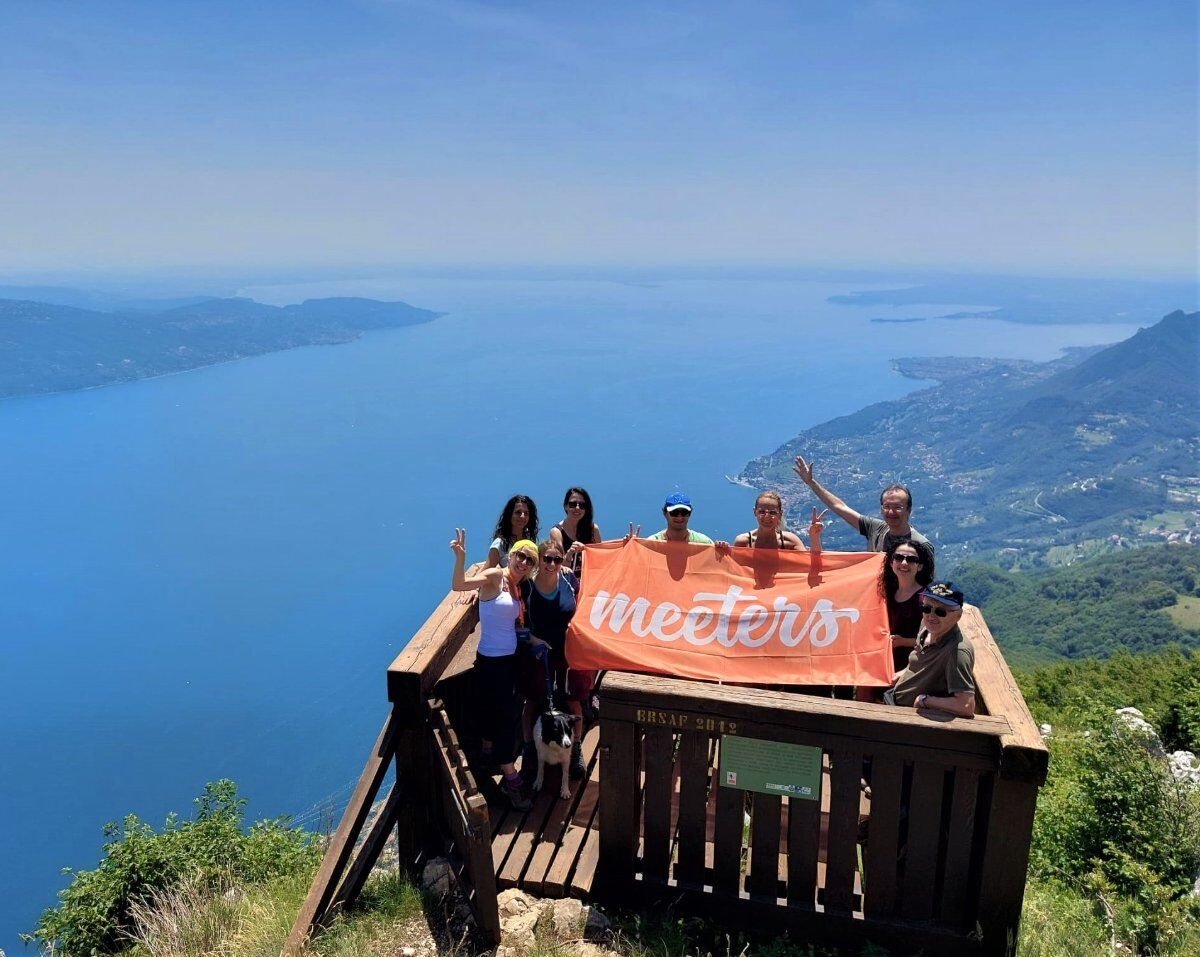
(584,820)
(526,838)
(560,818)
(584,873)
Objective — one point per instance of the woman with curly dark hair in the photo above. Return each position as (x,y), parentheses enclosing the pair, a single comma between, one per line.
(518,520)
(907,569)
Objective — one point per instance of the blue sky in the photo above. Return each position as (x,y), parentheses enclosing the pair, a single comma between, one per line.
(1056,138)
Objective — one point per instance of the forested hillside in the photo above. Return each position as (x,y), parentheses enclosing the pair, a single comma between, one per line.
(1136,600)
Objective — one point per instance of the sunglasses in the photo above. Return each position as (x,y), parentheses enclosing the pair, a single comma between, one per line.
(676,512)
(552,559)
(766,511)
(576,505)
(906,559)
(521,556)
(935,610)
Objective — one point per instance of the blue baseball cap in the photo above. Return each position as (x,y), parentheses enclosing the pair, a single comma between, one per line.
(677,500)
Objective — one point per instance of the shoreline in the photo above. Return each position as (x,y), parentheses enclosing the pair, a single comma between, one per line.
(19,396)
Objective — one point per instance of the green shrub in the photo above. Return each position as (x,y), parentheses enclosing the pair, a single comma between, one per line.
(93,916)
(1112,818)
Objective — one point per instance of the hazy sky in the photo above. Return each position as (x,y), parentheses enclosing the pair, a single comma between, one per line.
(1036,136)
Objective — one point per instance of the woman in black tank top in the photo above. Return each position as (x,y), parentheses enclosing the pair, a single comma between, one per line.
(770,533)
(578,527)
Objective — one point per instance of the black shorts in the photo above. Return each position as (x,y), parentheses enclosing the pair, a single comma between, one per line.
(496,701)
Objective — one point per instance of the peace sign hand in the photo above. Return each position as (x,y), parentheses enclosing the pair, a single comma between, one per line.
(816,525)
(633,532)
(458,544)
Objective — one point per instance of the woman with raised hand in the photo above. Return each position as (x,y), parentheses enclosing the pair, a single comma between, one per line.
(518,520)
(578,527)
(502,625)
(770,533)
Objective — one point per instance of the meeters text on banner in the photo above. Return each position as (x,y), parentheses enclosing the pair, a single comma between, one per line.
(743,614)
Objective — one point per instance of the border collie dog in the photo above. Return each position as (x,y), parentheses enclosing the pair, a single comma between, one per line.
(552,738)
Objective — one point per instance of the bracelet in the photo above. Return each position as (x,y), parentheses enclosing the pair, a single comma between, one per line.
(921,699)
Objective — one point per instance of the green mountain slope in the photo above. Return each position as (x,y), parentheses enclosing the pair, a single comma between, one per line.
(1095,608)
(1018,458)
(54,348)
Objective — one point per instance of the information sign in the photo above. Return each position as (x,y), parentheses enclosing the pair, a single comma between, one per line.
(770,767)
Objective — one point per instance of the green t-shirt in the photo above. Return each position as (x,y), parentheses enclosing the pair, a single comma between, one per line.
(694,538)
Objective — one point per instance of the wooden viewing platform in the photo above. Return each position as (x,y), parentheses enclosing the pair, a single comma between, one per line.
(931,856)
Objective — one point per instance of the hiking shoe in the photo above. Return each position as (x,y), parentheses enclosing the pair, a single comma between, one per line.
(577,770)
(515,792)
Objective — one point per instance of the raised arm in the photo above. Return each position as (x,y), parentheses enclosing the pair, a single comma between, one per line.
(458,577)
(815,527)
(841,509)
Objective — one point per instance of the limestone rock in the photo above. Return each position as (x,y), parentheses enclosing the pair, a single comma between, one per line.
(513,902)
(1185,768)
(1134,723)
(528,922)
(567,919)
(1044,730)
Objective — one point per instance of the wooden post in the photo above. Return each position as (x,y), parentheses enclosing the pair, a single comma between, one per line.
(1005,861)
(619,824)
(414,779)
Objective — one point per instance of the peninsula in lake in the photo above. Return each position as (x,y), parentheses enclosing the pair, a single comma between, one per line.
(1024,462)
(57,348)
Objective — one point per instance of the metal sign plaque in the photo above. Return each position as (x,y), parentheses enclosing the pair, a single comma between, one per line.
(770,767)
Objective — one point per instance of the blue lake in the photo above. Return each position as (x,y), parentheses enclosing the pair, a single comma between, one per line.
(206,575)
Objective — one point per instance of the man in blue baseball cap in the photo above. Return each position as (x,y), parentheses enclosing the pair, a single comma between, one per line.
(940,673)
(677,510)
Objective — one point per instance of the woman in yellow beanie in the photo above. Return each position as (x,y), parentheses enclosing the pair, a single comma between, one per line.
(502,625)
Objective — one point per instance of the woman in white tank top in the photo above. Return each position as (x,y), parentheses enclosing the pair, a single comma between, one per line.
(502,626)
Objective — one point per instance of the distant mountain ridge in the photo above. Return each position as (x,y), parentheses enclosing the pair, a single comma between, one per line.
(56,348)
(1026,460)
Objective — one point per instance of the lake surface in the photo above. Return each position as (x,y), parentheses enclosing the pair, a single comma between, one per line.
(207,574)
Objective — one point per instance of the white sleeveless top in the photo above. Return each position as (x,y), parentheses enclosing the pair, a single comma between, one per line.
(498,626)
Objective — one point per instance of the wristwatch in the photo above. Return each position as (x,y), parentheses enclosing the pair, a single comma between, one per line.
(921,699)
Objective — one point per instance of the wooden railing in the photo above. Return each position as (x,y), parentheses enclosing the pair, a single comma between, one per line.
(947,825)
(944,835)
(465,817)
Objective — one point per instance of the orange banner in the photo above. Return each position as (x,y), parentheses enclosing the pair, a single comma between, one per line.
(750,615)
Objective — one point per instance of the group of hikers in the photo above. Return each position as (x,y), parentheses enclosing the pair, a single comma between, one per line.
(527,591)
